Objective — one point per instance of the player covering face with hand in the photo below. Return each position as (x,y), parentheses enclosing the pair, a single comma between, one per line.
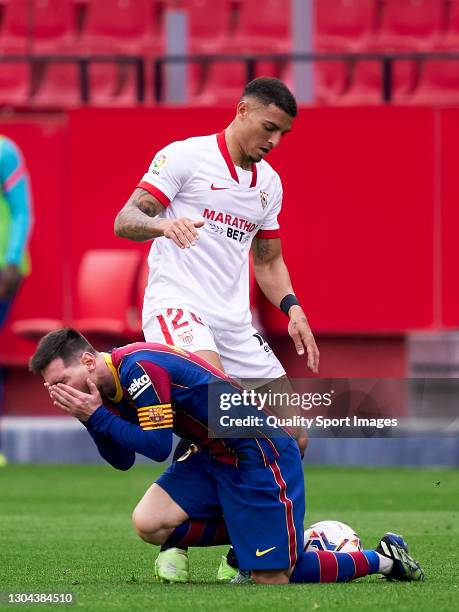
(132,400)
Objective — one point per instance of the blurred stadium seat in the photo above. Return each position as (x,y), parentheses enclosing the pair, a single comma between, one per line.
(106,293)
(373,26)
(14,83)
(365,83)
(110,84)
(332,80)
(263,28)
(208,35)
(106,301)
(438,83)
(450,40)
(136,27)
(56,86)
(121,26)
(343,25)
(412,24)
(223,82)
(38,26)
(219,83)
(346,25)
(131,27)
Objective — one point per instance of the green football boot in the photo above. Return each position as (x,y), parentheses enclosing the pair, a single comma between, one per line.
(172,565)
(225,571)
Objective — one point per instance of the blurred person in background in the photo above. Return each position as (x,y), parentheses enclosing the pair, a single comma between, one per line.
(15,223)
(15,226)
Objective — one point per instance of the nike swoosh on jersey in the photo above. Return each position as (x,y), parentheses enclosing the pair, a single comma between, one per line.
(217,188)
(260,553)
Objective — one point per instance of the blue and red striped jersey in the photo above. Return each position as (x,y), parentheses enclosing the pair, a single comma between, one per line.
(162,389)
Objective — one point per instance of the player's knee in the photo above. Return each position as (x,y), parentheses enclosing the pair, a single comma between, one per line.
(271,576)
(146,526)
(151,537)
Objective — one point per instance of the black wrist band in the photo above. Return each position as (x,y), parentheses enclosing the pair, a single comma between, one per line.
(287,302)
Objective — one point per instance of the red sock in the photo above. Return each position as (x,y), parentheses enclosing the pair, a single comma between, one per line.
(198,533)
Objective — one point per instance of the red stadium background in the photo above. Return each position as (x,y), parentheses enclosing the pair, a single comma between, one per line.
(370,219)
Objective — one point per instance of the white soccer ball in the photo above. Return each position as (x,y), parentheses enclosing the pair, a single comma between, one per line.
(332,536)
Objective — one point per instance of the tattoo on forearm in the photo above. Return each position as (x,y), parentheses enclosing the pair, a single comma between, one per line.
(131,222)
(144,202)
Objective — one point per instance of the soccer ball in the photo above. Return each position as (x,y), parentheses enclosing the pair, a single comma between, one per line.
(332,536)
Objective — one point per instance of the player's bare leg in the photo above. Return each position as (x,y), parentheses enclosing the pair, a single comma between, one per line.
(271,576)
(154,519)
(157,515)
(158,519)
(212,357)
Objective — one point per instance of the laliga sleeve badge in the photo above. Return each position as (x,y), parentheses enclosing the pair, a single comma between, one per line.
(158,163)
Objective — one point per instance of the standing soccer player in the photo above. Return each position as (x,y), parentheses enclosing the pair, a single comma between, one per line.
(209,200)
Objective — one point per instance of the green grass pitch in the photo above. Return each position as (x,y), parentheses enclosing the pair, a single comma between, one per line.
(67,528)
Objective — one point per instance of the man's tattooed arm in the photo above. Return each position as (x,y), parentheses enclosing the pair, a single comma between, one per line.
(136,219)
(265,250)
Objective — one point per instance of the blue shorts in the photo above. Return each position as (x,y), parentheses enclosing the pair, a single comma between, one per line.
(263,508)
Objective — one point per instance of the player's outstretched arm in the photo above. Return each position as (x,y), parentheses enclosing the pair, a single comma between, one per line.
(273,279)
(138,221)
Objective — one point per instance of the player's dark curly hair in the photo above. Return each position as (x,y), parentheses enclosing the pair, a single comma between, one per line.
(272,91)
(65,343)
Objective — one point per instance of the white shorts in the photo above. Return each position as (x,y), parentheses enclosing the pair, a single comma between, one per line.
(244,353)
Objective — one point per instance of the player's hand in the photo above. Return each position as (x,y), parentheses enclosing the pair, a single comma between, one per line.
(301,334)
(10,279)
(77,403)
(181,231)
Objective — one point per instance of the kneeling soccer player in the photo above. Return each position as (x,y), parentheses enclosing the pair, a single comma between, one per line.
(255,483)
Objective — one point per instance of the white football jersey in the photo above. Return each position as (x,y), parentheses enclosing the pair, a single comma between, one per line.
(197,179)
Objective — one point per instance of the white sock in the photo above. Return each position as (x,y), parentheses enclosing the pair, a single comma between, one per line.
(385,564)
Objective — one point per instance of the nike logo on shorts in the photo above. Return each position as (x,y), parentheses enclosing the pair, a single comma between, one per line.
(260,553)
